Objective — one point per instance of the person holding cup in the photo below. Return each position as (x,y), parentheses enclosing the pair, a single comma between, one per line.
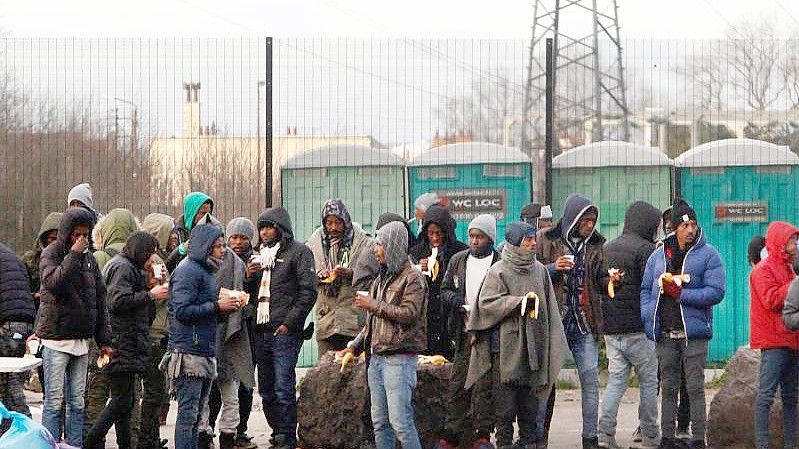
(573,252)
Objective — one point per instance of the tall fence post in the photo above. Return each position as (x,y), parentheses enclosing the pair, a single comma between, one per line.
(268,97)
(551,140)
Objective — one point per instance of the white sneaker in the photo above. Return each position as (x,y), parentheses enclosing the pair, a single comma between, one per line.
(685,436)
(608,441)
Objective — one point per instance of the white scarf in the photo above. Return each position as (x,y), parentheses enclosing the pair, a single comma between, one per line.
(268,258)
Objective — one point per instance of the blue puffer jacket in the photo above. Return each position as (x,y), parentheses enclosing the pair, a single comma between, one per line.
(705,289)
(193,293)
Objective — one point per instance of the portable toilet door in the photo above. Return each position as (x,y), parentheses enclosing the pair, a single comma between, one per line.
(473,178)
(368,181)
(737,186)
(614,175)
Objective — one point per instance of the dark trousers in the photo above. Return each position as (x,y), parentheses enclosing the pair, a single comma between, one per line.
(513,404)
(470,413)
(154,393)
(117,412)
(693,355)
(277,380)
(245,407)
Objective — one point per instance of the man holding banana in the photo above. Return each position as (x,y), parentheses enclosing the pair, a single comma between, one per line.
(682,282)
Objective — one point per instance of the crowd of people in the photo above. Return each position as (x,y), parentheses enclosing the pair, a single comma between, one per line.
(128,313)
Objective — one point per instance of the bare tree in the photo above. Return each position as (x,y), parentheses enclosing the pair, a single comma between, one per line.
(756,59)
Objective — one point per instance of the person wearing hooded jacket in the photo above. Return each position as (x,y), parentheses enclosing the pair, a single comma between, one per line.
(394,335)
(197,208)
(337,247)
(287,293)
(129,304)
(438,231)
(459,291)
(678,317)
(154,393)
(17,313)
(519,337)
(195,305)
(367,267)
(573,252)
(779,347)
(72,310)
(110,235)
(627,346)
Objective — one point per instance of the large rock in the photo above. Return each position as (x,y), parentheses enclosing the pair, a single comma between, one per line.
(333,408)
(731,420)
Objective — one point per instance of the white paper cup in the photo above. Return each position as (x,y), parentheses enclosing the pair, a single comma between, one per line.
(362,293)
(569,257)
(158,271)
(33,346)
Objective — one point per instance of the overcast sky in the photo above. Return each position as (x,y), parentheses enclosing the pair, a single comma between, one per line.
(359,18)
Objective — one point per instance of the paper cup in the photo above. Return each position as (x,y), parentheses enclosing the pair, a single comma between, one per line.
(569,257)
(362,293)
(33,346)
(158,271)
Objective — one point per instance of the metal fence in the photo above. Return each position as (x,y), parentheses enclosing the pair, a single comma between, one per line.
(258,122)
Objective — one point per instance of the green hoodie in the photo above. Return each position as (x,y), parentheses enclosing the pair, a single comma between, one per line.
(111,232)
(191,205)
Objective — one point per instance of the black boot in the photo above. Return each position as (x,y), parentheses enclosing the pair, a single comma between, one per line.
(205,440)
(591,443)
(227,440)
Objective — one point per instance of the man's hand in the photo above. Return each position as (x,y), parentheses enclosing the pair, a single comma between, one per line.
(615,276)
(107,351)
(364,302)
(252,269)
(160,292)
(281,330)
(423,264)
(342,272)
(672,290)
(564,263)
(324,273)
(80,245)
(227,304)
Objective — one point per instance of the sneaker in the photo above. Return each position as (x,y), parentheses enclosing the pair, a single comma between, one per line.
(244,441)
(637,436)
(282,442)
(483,443)
(205,440)
(650,443)
(683,435)
(607,441)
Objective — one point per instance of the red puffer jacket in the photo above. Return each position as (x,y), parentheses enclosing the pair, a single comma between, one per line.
(768,284)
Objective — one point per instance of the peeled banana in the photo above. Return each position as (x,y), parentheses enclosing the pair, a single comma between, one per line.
(346,359)
(432,360)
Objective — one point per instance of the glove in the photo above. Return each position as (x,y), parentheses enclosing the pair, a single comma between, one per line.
(672,290)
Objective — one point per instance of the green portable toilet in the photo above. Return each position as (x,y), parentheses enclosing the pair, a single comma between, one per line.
(369,181)
(614,175)
(473,178)
(737,186)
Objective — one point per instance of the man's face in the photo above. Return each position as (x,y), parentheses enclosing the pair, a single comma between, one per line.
(478,240)
(528,243)
(790,247)
(204,209)
(667,227)
(76,203)
(380,254)
(78,232)
(544,223)
(219,248)
(239,243)
(419,214)
(435,235)
(334,226)
(50,237)
(686,233)
(269,233)
(586,224)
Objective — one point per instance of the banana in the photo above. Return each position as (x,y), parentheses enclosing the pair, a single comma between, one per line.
(346,359)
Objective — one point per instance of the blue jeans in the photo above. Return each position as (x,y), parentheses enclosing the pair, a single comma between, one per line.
(777,367)
(392,380)
(64,372)
(276,357)
(192,394)
(585,350)
(628,351)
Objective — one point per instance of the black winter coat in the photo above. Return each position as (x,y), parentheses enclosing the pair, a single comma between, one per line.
(129,305)
(453,294)
(72,304)
(16,301)
(293,282)
(629,253)
(439,340)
